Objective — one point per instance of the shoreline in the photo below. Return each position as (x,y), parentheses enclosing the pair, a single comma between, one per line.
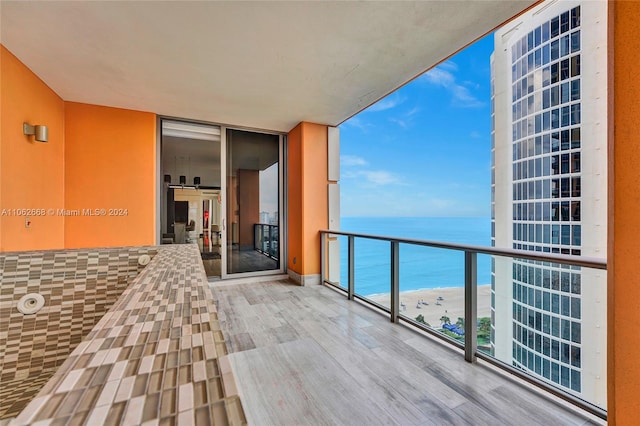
(451,304)
(421,289)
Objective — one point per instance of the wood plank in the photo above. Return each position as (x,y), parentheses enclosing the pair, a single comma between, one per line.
(307,355)
(240,342)
(296,382)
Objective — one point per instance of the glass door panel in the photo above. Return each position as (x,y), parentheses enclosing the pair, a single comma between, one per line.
(252,228)
(191,158)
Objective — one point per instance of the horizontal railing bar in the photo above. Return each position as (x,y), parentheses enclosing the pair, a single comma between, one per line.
(432,331)
(581,403)
(372,303)
(359,297)
(336,285)
(587,262)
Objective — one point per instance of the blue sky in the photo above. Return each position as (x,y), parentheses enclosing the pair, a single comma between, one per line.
(424,150)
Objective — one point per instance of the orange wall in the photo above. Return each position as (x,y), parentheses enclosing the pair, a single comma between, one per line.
(316,210)
(307,189)
(110,163)
(295,196)
(31,173)
(624,203)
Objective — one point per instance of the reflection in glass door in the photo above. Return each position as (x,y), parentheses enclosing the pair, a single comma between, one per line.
(191,211)
(252,228)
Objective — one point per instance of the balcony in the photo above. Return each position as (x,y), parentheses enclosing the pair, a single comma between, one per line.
(541,319)
(307,355)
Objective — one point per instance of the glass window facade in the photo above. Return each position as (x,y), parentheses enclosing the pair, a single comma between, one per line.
(493,206)
(547,189)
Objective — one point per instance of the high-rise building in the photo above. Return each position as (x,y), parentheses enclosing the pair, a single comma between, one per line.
(265,217)
(549,186)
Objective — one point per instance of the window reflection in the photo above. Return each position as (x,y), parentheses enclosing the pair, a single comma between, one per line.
(253,231)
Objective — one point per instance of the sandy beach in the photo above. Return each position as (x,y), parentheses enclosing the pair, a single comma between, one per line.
(452,304)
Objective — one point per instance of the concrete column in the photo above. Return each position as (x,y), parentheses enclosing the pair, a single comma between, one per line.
(308,208)
(623,373)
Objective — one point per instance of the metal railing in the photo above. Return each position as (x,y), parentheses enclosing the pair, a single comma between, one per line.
(470,295)
(265,237)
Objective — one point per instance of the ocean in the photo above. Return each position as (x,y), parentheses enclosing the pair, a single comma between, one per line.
(420,267)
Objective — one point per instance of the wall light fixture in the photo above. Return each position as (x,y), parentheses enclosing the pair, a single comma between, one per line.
(41,133)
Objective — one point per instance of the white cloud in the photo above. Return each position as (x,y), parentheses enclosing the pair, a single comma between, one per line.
(462,97)
(380,177)
(440,77)
(396,203)
(352,160)
(474,85)
(373,177)
(443,76)
(449,65)
(399,122)
(413,111)
(358,123)
(406,118)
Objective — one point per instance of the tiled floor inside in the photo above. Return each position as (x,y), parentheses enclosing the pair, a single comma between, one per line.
(240,261)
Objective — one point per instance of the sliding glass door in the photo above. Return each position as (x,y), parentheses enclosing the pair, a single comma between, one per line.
(252,202)
(222,190)
(190,210)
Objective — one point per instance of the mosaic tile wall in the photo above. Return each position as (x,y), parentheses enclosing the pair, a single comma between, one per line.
(79,287)
(158,357)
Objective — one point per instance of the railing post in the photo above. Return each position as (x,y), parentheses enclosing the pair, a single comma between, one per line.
(323,257)
(269,240)
(350,267)
(395,280)
(470,305)
(277,236)
(255,237)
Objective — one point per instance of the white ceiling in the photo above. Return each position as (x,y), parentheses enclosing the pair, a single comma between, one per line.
(263,64)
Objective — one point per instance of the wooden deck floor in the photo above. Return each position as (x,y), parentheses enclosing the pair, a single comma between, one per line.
(306,355)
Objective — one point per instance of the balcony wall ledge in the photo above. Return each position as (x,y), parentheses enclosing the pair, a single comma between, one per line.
(157,355)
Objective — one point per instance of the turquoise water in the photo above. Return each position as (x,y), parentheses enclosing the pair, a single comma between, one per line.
(420,267)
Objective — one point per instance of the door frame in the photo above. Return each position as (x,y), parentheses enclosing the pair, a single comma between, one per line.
(281,203)
(282,187)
